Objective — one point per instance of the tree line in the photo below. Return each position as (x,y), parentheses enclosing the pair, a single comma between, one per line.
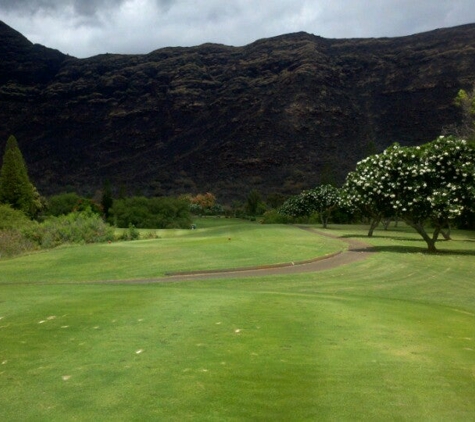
(430,187)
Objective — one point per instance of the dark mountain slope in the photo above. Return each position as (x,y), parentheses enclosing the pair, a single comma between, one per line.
(280,114)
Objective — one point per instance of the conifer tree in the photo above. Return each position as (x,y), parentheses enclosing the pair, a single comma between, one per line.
(107,200)
(15,186)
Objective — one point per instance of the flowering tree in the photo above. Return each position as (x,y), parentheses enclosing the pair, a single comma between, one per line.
(369,188)
(432,184)
(322,199)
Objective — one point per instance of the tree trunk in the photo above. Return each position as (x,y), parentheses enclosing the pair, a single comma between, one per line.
(446,233)
(386,223)
(374,223)
(324,220)
(429,240)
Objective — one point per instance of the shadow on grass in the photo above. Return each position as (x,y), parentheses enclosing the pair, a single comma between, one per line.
(414,249)
(380,236)
(404,237)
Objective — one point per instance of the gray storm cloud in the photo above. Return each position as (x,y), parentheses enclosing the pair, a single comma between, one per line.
(85,7)
(82,7)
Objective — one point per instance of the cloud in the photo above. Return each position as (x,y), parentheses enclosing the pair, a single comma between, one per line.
(81,7)
(88,27)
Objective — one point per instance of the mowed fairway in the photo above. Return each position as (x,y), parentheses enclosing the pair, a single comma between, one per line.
(216,244)
(388,338)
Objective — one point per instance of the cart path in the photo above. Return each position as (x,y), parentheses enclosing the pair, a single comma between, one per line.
(356,251)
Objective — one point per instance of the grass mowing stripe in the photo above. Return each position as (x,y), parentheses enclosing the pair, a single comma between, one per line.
(392,337)
(179,250)
(241,354)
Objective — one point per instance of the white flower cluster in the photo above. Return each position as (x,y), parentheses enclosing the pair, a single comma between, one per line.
(436,180)
(321,199)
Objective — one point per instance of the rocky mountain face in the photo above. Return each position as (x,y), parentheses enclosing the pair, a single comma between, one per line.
(279,115)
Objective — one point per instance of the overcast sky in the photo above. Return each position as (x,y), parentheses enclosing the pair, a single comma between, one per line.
(84,28)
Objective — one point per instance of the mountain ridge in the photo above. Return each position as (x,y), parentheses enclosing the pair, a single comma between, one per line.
(279,115)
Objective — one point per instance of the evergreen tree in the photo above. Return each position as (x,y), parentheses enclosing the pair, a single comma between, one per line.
(15,186)
(107,200)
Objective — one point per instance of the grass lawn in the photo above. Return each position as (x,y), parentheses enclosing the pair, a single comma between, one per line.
(389,338)
(216,244)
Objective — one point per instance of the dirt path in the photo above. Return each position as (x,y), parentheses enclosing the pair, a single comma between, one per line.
(356,251)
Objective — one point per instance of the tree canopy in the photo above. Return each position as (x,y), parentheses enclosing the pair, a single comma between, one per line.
(426,186)
(322,199)
(151,213)
(465,100)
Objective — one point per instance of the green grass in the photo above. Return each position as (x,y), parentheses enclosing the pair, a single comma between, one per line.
(216,244)
(389,338)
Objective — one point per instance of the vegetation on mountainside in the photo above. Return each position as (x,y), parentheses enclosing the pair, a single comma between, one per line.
(281,115)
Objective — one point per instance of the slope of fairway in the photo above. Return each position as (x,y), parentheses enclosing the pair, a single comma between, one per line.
(388,338)
(216,244)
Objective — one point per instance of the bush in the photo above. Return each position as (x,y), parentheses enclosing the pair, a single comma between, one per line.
(62,204)
(13,223)
(154,213)
(13,219)
(66,203)
(274,217)
(130,234)
(77,227)
(13,242)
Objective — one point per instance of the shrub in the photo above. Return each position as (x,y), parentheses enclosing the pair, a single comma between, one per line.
(130,234)
(13,219)
(154,213)
(273,217)
(66,203)
(77,227)
(14,242)
(13,223)
(62,204)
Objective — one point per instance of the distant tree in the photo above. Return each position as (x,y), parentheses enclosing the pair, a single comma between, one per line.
(466,102)
(66,203)
(365,189)
(323,199)
(254,204)
(151,213)
(107,199)
(88,204)
(327,199)
(371,148)
(203,204)
(62,204)
(275,200)
(328,174)
(15,186)
(204,201)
